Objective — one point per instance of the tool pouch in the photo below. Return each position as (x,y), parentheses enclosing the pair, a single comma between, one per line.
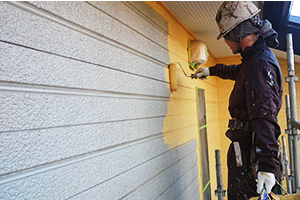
(253,161)
(238,154)
(283,160)
(279,172)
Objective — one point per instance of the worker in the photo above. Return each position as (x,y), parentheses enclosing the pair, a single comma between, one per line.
(255,100)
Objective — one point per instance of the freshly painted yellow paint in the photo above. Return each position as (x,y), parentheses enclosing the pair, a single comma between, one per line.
(224,89)
(282,197)
(181,121)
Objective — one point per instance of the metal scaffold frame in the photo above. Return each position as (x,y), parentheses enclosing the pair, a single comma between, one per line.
(291,111)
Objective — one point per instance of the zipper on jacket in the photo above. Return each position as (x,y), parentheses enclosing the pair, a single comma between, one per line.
(253,101)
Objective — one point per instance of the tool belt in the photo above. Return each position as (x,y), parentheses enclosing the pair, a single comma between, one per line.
(234,124)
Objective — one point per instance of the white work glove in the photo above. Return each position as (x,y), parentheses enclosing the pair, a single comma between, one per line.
(202,73)
(266,181)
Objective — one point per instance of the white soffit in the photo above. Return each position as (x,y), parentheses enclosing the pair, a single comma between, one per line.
(199,18)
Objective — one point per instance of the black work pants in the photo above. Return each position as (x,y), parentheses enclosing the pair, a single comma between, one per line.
(241,180)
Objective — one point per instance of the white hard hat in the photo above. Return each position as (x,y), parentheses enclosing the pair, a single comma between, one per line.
(232,13)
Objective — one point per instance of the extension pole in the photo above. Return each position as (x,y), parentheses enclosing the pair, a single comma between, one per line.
(287,171)
(219,192)
(291,79)
(290,138)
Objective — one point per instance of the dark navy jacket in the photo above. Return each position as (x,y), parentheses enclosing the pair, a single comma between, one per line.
(256,98)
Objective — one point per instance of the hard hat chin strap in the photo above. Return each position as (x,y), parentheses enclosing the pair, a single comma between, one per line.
(241,27)
(236,35)
(239,49)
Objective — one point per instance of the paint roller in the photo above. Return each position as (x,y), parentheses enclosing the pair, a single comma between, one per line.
(198,54)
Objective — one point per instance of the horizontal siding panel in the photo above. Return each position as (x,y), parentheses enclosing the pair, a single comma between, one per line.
(181,107)
(210,96)
(61,182)
(139,17)
(224,92)
(183,61)
(179,189)
(211,108)
(24,65)
(184,93)
(80,13)
(213,80)
(212,112)
(180,136)
(21,111)
(223,123)
(178,33)
(179,172)
(190,190)
(174,122)
(223,110)
(126,182)
(26,149)
(213,125)
(182,80)
(225,83)
(210,88)
(214,143)
(146,10)
(211,117)
(178,50)
(196,196)
(35,32)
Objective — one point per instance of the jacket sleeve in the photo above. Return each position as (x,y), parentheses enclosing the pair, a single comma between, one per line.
(263,98)
(225,71)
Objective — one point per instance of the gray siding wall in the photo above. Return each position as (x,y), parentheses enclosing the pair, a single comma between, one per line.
(82,104)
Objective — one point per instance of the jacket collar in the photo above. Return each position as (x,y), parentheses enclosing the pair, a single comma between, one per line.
(257,46)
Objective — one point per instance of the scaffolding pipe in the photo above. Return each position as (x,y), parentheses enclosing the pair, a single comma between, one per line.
(287,171)
(295,124)
(290,138)
(219,192)
(291,79)
(288,114)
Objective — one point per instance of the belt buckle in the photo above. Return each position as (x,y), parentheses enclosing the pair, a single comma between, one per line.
(232,126)
(239,125)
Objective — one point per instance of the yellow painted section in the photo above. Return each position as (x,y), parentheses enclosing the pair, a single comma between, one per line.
(224,89)
(282,197)
(181,121)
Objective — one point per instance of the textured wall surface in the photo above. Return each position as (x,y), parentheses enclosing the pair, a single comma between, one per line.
(83,103)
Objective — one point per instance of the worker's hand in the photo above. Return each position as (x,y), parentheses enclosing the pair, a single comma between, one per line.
(202,73)
(266,181)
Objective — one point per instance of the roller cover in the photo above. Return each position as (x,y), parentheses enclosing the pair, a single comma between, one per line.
(173,77)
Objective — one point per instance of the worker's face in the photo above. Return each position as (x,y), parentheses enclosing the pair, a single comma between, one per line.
(232,45)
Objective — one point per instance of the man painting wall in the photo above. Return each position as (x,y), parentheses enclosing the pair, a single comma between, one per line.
(252,160)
